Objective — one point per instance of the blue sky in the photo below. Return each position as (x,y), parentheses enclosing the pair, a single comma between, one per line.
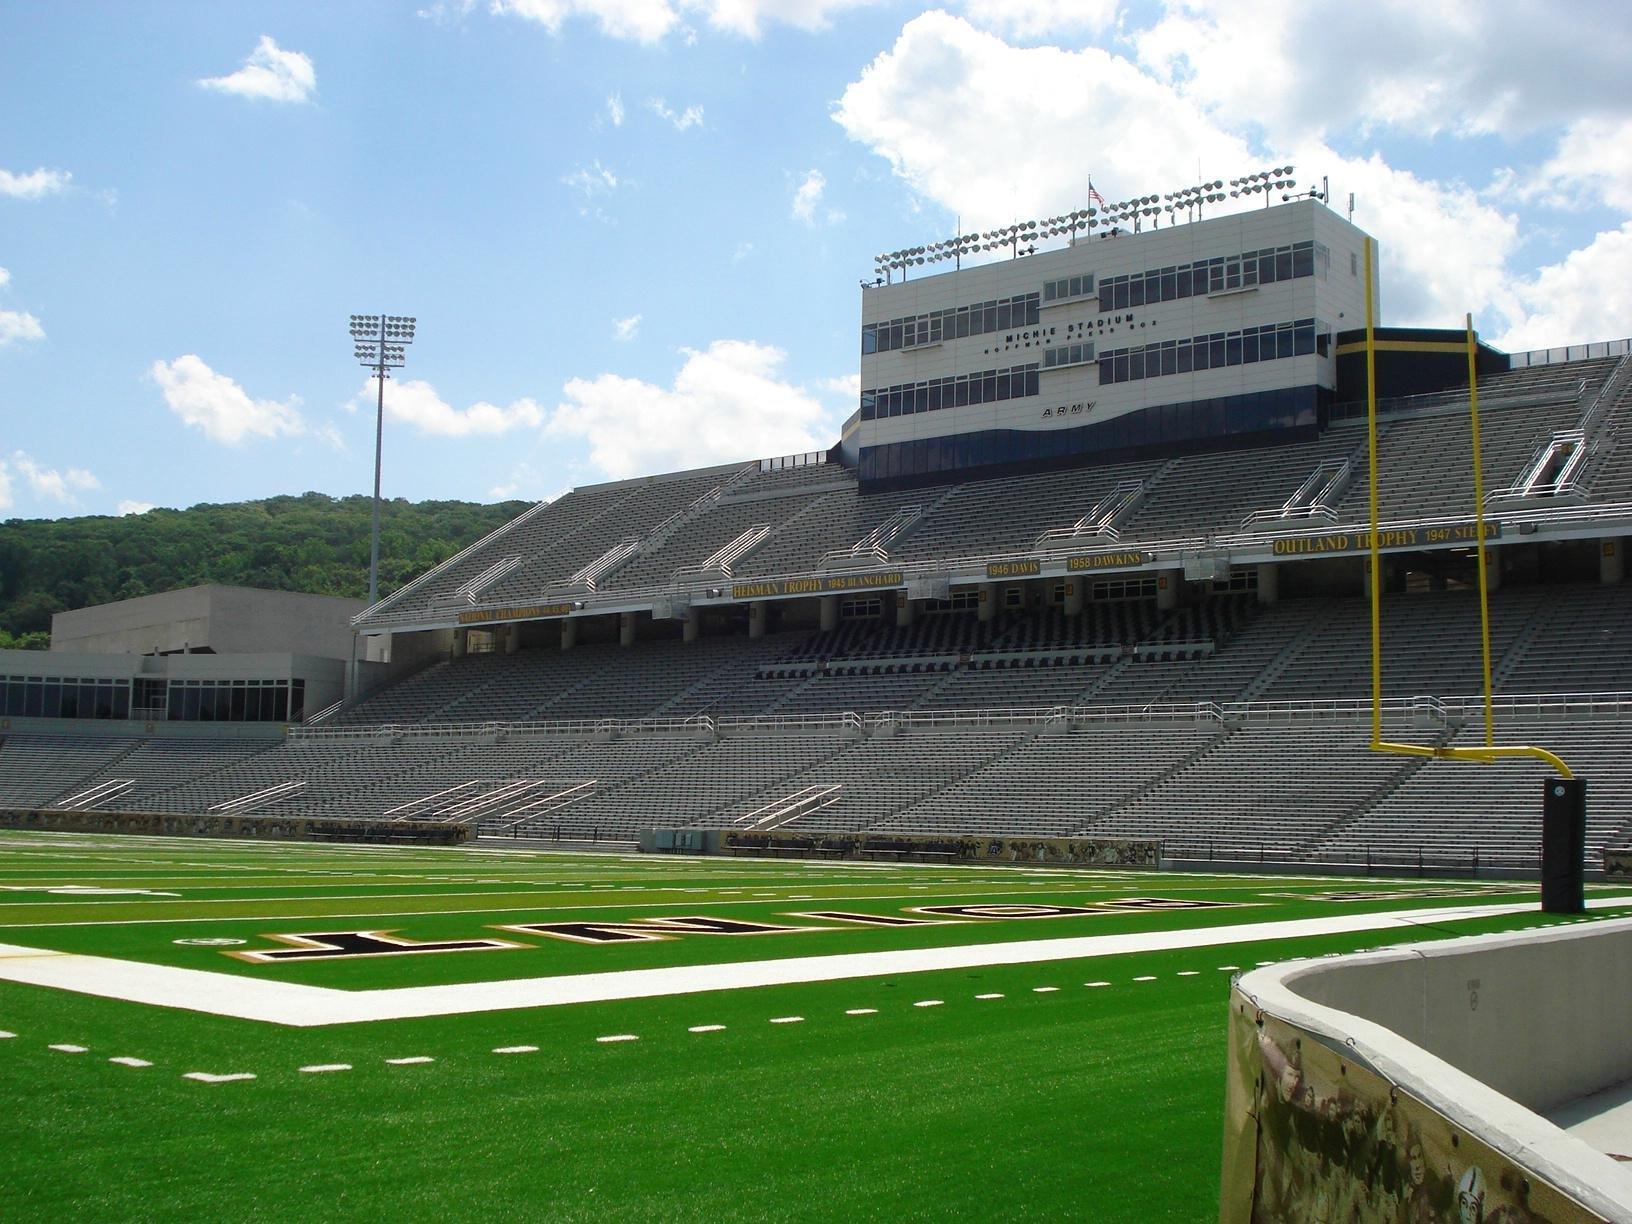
(632,230)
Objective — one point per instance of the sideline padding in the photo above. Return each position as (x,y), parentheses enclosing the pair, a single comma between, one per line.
(908,847)
(257,828)
(1412,1083)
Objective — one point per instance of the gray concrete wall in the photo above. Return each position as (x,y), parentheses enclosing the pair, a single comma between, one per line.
(1542,1018)
(224,619)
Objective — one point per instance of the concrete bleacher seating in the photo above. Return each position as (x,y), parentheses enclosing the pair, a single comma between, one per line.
(1199,723)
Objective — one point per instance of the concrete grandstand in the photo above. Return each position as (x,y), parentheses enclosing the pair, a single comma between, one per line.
(1160,635)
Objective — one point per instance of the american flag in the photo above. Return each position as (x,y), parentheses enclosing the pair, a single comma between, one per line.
(1094,195)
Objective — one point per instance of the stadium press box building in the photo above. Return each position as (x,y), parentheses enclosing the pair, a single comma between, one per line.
(1212,333)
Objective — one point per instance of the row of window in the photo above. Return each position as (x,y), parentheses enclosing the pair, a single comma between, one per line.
(1214,275)
(1162,426)
(1068,287)
(187,701)
(981,387)
(237,700)
(952,323)
(1271,342)
(1067,355)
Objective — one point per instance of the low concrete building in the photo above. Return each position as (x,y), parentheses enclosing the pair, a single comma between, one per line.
(211,620)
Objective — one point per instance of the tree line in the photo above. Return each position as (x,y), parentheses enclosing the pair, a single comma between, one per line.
(312,543)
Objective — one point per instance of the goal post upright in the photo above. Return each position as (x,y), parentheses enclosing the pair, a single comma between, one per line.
(1564,797)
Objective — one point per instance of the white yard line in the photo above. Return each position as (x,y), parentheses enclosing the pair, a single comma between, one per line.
(307,1006)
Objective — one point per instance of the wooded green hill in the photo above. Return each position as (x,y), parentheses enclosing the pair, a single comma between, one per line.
(308,543)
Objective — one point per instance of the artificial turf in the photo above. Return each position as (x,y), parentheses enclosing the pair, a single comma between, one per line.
(1093,1102)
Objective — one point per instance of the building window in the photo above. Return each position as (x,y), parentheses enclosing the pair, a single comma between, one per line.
(1250,345)
(978,387)
(953,323)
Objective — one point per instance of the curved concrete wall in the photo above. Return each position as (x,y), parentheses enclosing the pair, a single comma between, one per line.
(1417,1076)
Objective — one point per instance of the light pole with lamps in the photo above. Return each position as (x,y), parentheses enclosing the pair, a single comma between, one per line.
(379,343)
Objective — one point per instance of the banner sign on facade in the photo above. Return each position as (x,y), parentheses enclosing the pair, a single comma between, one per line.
(532,612)
(826,585)
(1124,559)
(1392,539)
(1028,568)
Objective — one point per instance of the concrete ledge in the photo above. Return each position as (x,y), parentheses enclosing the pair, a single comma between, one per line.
(1416,1074)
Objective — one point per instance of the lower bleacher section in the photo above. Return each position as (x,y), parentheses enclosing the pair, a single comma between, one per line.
(1228,729)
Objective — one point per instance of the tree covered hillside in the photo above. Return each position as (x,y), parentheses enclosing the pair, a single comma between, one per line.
(309,543)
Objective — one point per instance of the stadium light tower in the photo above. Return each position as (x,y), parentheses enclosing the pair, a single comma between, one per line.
(379,343)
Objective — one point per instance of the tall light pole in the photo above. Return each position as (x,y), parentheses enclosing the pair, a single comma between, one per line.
(379,346)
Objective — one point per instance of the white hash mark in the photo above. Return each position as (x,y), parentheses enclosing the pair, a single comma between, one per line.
(204,1077)
(1149,977)
(787,1019)
(929,1003)
(1096,983)
(989,996)
(1188,972)
(410,1062)
(618,1037)
(70,1049)
(1044,989)
(321,1068)
(126,1061)
(706,1028)
(861,1011)
(515,1049)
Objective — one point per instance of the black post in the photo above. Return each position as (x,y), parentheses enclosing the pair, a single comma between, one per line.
(1563,845)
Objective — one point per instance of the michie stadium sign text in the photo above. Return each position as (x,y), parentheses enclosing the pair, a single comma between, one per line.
(341,945)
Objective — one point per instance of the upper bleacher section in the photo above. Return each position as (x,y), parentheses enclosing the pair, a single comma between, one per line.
(1556,445)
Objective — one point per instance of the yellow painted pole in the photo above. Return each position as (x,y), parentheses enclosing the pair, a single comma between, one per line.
(1479,530)
(1376,551)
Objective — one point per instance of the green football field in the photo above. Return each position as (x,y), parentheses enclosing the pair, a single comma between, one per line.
(267,1031)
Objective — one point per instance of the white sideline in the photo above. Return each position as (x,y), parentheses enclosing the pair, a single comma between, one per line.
(300,1006)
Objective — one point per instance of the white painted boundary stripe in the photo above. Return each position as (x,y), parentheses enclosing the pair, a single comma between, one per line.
(303,1006)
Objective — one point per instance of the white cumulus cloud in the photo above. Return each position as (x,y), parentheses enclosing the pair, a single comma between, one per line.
(614,109)
(727,402)
(218,406)
(942,103)
(5,487)
(1041,18)
(649,21)
(34,185)
(52,484)
(416,403)
(18,325)
(644,21)
(691,117)
(270,73)
(807,199)
(626,329)
(129,506)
